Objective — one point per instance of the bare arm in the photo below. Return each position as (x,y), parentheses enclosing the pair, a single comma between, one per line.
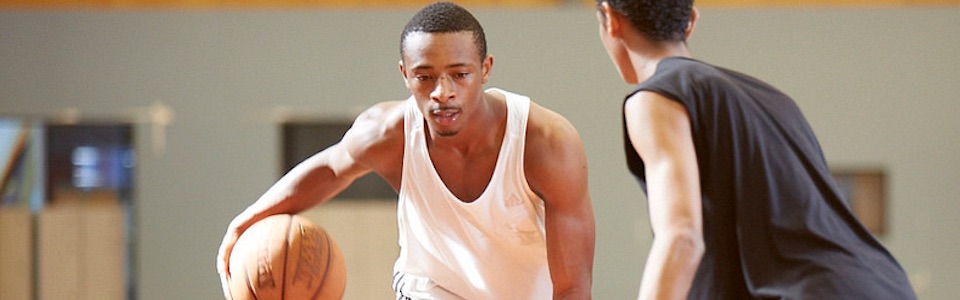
(556,169)
(660,131)
(369,145)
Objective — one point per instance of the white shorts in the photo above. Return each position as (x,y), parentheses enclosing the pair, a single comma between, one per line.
(413,287)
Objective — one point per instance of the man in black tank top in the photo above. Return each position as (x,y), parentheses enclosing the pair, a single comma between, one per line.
(741,201)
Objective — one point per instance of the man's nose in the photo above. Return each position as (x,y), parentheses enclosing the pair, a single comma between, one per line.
(444,91)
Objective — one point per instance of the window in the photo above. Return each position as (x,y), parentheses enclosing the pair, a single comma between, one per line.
(302,139)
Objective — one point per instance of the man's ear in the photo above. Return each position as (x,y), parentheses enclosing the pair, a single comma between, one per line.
(692,24)
(486,67)
(403,73)
(611,20)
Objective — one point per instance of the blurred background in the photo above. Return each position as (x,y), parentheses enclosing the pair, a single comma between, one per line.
(132,131)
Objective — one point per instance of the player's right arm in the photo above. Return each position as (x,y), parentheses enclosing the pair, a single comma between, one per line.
(369,145)
(659,129)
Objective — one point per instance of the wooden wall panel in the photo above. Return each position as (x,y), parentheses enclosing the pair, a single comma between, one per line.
(80,243)
(16,258)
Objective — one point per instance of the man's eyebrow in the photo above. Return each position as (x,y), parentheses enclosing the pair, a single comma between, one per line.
(458,65)
(430,67)
(423,67)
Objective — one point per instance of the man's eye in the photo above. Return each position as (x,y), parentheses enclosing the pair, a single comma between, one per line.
(424,77)
(461,75)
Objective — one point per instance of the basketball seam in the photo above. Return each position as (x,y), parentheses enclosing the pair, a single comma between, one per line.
(326,271)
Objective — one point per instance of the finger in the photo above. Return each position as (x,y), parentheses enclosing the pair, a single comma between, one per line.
(223,256)
(225,285)
(223,272)
(226,259)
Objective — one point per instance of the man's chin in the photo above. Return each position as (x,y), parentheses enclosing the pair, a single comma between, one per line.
(447,133)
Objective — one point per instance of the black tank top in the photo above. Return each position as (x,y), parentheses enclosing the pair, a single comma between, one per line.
(775,223)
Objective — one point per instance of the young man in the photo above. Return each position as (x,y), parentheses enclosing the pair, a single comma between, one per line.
(493,199)
(741,201)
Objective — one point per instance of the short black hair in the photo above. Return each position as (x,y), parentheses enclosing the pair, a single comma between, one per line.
(659,20)
(445,17)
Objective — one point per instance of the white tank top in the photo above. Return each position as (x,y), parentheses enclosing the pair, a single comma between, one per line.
(491,248)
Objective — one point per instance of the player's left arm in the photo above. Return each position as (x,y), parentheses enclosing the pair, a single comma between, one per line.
(556,169)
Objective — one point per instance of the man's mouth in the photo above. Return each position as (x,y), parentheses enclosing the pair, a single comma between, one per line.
(445,116)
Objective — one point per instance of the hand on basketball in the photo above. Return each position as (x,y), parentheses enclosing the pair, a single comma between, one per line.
(281,257)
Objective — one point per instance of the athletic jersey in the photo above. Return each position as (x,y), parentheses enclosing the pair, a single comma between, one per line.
(775,224)
(491,248)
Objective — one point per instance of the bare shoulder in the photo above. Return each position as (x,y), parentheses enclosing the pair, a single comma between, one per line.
(383,116)
(377,134)
(548,130)
(554,158)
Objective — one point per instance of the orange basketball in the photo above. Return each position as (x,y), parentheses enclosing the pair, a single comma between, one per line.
(286,257)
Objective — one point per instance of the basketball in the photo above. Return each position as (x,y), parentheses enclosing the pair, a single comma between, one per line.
(286,257)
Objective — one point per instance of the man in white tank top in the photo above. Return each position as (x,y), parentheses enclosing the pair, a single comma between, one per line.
(477,248)
(493,197)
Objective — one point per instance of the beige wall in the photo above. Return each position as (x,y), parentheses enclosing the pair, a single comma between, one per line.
(878,85)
